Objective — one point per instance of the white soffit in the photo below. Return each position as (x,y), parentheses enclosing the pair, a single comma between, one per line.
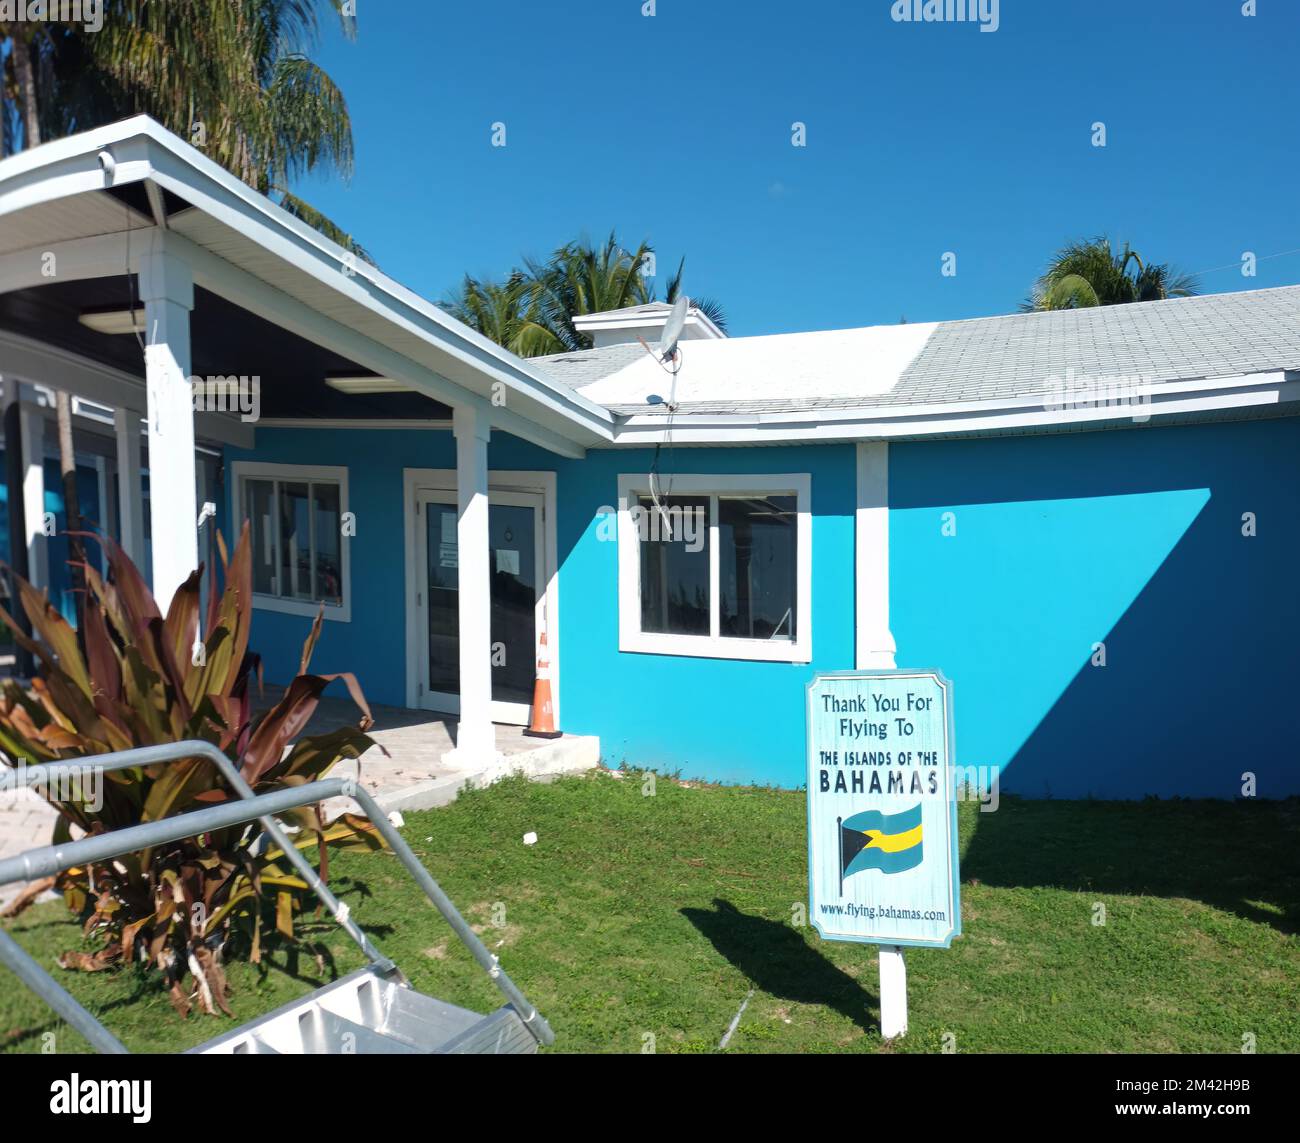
(833,363)
(63,220)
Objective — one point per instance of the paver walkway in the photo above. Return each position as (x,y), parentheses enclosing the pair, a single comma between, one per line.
(415,774)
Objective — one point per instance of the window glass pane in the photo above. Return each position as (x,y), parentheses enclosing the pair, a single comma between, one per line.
(442,563)
(329,543)
(295,541)
(259,511)
(757,567)
(674,551)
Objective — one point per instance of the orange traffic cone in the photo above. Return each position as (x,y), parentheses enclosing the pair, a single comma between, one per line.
(543,723)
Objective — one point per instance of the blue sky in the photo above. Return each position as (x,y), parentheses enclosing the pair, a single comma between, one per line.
(921,139)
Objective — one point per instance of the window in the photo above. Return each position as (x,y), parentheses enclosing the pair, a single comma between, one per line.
(716,566)
(296,517)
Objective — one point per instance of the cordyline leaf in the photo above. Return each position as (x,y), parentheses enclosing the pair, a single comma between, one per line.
(178,712)
(237,603)
(91,962)
(285,721)
(284,914)
(214,976)
(105,667)
(309,644)
(244,893)
(354,691)
(212,679)
(180,782)
(57,734)
(180,632)
(136,684)
(20,737)
(31,646)
(313,756)
(110,603)
(347,832)
(180,1001)
(134,598)
(56,633)
(130,932)
(74,712)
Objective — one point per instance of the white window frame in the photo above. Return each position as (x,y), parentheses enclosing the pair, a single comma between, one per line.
(243,470)
(714,646)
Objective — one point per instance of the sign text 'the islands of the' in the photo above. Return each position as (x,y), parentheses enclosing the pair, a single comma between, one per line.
(882,812)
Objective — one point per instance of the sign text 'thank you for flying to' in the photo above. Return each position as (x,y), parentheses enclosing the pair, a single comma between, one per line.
(882,820)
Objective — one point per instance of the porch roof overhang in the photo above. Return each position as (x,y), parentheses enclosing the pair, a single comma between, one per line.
(98,202)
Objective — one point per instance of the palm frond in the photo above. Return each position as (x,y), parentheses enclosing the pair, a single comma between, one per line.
(317,221)
(1091,273)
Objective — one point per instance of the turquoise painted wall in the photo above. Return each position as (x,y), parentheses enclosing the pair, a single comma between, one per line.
(729,721)
(1132,539)
(725,720)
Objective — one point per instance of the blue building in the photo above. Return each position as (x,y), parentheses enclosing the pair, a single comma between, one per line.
(1086,519)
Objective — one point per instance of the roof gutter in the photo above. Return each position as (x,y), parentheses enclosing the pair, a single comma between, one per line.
(1215,398)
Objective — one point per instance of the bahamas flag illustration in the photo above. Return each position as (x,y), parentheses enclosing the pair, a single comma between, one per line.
(888,842)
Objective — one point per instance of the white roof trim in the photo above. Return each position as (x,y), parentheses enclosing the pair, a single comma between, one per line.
(645,317)
(144,151)
(1168,404)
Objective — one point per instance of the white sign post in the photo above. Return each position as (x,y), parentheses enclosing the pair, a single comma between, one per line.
(882,819)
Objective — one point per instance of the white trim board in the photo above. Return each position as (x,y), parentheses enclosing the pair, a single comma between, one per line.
(714,645)
(256,469)
(499,480)
(873,641)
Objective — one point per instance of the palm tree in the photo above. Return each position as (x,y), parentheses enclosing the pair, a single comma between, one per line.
(583,279)
(506,313)
(709,307)
(532,312)
(232,76)
(1084,274)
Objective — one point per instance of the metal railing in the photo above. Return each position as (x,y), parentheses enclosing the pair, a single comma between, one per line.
(48,860)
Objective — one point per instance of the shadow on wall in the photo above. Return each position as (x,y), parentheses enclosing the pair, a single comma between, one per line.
(1134,540)
(1242,857)
(1196,690)
(779,961)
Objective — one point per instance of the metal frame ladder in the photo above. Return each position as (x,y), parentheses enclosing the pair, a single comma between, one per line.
(374,1009)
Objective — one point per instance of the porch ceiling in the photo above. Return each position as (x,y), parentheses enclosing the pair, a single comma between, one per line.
(226,340)
(86,197)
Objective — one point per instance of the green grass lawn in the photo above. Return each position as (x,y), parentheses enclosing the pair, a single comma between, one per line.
(638,921)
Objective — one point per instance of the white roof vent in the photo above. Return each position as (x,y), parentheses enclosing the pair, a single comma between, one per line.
(619,327)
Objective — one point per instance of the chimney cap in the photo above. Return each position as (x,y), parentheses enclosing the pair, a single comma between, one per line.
(618,327)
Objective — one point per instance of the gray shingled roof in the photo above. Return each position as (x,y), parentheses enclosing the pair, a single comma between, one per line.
(999,358)
(588,365)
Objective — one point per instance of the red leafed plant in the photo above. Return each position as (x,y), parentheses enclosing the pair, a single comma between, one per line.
(131,677)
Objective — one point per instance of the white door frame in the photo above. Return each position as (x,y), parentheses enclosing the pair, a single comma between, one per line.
(508,713)
(442,480)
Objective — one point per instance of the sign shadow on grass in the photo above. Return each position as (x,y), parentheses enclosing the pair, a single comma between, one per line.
(778,960)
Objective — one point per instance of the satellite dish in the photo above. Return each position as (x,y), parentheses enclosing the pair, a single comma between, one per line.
(673,327)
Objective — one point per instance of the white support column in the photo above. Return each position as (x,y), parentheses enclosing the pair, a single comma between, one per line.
(475,737)
(167,288)
(875,642)
(130,490)
(875,651)
(33,433)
